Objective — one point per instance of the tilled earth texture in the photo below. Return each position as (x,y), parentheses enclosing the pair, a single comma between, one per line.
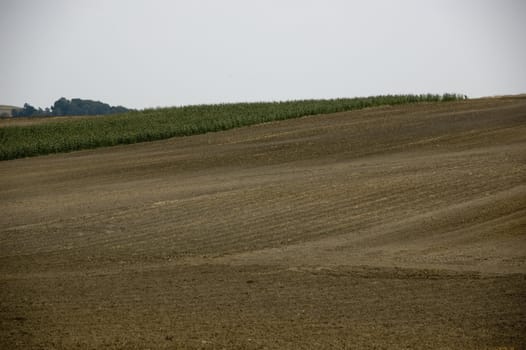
(386,228)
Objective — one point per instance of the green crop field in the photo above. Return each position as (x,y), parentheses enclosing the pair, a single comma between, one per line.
(156,124)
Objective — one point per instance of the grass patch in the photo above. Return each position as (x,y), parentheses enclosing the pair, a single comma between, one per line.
(157,124)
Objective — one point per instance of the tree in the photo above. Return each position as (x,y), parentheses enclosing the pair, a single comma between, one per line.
(63,107)
(26,111)
(60,107)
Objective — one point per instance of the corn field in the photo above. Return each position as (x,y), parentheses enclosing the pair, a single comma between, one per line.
(157,124)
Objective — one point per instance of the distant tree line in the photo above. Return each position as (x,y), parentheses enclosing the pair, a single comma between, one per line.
(63,107)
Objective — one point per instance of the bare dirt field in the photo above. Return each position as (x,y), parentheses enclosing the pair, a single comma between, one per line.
(386,228)
(26,121)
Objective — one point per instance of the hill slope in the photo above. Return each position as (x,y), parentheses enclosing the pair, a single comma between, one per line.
(388,227)
(70,134)
(5,110)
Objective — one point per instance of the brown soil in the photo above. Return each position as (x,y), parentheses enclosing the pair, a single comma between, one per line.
(395,227)
(25,121)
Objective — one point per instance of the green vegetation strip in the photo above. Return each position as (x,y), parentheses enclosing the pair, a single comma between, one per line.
(157,124)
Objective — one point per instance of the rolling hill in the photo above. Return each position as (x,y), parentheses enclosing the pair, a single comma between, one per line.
(5,110)
(391,227)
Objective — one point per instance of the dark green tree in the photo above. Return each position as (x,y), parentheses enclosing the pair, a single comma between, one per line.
(60,107)
(26,111)
(63,107)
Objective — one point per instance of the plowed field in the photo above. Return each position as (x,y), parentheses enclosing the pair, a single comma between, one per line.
(392,227)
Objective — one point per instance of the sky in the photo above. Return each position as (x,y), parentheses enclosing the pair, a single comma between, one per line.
(154,53)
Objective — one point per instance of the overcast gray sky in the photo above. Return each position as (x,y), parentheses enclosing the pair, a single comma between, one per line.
(147,53)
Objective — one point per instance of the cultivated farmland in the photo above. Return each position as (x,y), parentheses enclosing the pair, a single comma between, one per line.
(52,135)
(391,227)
